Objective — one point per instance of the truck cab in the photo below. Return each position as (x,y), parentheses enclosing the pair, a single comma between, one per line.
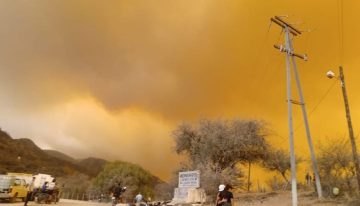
(12,187)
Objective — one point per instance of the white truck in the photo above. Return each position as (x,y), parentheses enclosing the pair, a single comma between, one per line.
(40,180)
(45,195)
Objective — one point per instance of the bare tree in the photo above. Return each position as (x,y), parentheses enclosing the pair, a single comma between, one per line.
(219,144)
(163,191)
(336,165)
(211,179)
(277,160)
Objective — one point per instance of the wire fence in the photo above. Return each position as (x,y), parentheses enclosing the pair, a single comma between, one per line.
(85,196)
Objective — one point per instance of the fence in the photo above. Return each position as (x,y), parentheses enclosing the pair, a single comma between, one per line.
(85,196)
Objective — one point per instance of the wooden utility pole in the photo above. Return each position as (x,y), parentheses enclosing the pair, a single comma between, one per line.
(290,57)
(351,132)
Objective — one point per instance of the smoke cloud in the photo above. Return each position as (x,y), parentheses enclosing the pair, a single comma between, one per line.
(113,78)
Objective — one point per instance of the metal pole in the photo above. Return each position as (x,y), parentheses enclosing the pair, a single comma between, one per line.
(306,122)
(351,132)
(290,120)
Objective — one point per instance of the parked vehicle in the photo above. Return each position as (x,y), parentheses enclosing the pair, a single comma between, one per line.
(45,190)
(12,187)
(47,197)
(40,179)
(26,176)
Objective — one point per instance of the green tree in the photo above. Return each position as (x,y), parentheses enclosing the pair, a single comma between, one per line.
(78,184)
(135,178)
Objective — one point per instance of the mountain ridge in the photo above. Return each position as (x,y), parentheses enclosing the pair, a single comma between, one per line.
(92,165)
(23,155)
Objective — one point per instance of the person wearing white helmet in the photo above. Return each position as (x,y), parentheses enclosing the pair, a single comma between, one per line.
(218,198)
(226,196)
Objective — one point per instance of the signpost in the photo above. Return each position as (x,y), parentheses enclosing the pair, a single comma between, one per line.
(188,190)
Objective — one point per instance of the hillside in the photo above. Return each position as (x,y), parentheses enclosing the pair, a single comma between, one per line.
(22,155)
(91,165)
(60,155)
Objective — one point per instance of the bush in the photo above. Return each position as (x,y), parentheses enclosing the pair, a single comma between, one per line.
(336,166)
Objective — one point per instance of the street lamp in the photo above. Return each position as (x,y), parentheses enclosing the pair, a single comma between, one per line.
(331,75)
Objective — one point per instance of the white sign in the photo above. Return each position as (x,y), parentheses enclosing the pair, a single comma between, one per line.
(189,179)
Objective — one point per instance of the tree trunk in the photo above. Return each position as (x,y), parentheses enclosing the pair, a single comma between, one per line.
(284,176)
(248,183)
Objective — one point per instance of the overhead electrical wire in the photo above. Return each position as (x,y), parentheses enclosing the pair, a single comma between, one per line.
(341,31)
(317,104)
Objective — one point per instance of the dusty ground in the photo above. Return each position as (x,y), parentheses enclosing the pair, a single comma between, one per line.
(284,199)
(61,203)
(268,199)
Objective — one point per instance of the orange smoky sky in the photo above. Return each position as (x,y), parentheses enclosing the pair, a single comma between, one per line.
(112,79)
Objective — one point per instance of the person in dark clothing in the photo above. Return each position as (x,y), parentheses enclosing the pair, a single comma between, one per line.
(226,196)
(44,187)
(117,190)
(117,193)
(218,201)
(308,179)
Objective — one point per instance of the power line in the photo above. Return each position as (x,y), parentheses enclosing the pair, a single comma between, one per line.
(261,61)
(319,102)
(341,30)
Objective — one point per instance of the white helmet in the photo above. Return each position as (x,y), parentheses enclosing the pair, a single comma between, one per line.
(221,187)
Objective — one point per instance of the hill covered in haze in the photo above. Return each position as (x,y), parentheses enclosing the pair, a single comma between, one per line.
(60,155)
(23,155)
(91,165)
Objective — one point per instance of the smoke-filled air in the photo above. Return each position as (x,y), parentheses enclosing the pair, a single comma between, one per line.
(115,79)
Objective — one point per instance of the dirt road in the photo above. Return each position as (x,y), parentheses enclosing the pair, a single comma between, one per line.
(268,199)
(61,203)
(284,199)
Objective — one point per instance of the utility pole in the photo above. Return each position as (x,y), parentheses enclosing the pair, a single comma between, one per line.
(351,132)
(307,127)
(290,57)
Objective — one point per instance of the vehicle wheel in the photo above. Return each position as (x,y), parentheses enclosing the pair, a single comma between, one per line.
(39,198)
